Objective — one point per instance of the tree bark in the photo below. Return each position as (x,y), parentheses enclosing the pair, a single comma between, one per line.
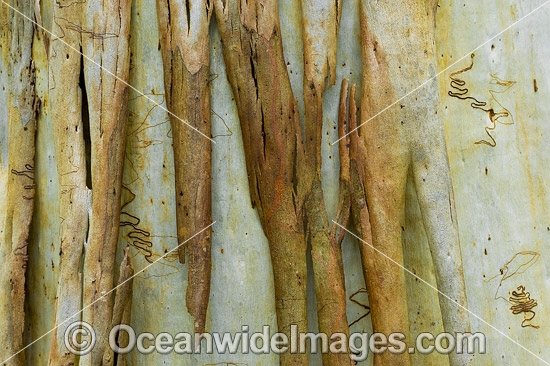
(65,98)
(320,19)
(185,48)
(254,59)
(17,41)
(105,38)
(121,310)
(397,57)
(353,157)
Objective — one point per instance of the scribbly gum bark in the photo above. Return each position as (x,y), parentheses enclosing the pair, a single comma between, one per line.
(397,57)
(353,157)
(107,26)
(256,69)
(17,40)
(185,50)
(65,105)
(320,22)
(121,310)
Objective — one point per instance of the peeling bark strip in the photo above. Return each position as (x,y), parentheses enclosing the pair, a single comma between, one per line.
(65,101)
(256,69)
(320,20)
(353,158)
(397,56)
(105,38)
(185,51)
(17,40)
(122,310)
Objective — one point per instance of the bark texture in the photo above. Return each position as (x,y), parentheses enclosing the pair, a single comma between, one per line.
(65,96)
(185,41)
(320,20)
(121,310)
(105,38)
(256,69)
(397,57)
(17,40)
(353,159)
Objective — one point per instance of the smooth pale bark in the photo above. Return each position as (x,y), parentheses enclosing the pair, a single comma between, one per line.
(183,27)
(65,97)
(256,69)
(105,41)
(320,19)
(397,57)
(17,40)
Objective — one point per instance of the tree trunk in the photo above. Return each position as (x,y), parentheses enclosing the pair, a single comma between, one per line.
(408,135)
(105,46)
(17,40)
(320,26)
(65,97)
(62,138)
(185,44)
(253,54)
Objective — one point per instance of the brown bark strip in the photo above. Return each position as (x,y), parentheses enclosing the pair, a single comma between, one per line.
(185,50)
(353,156)
(105,40)
(65,97)
(358,159)
(353,159)
(256,69)
(121,310)
(320,20)
(408,137)
(17,40)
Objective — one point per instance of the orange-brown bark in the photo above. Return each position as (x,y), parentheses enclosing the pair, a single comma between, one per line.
(256,69)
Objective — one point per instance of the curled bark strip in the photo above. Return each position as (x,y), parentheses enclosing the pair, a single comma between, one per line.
(407,137)
(17,40)
(256,69)
(65,98)
(320,20)
(105,41)
(121,310)
(185,51)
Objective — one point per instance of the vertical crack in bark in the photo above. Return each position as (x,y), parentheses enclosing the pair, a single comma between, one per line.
(188,15)
(85,127)
(186,61)
(107,99)
(17,41)
(270,127)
